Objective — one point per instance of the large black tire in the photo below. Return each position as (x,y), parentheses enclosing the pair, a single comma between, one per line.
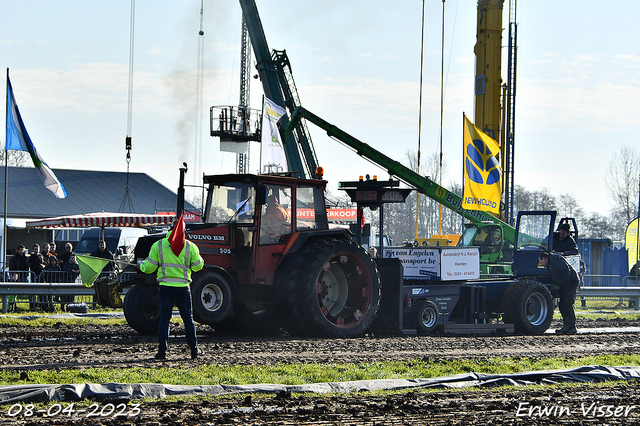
(257,322)
(142,309)
(249,321)
(211,295)
(426,317)
(528,305)
(329,288)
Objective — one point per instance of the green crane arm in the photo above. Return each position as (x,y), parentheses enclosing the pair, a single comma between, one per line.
(422,184)
(275,74)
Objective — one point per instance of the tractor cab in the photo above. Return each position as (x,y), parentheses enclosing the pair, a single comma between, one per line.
(495,251)
(250,221)
(534,235)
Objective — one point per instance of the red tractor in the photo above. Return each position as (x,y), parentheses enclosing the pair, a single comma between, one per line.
(271,261)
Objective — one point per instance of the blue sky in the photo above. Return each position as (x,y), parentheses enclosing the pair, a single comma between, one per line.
(356,64)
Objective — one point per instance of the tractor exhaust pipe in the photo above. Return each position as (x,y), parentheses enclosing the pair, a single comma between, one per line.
(180,206)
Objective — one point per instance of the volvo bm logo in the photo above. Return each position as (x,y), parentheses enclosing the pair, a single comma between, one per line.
(206,237)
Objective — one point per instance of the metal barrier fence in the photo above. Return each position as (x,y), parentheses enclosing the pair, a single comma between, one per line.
(610,287)
(41,293)
(601,281)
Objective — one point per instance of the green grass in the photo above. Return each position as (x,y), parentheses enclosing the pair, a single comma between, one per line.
(40,320)
(298,374)
(607,309)
(604,305)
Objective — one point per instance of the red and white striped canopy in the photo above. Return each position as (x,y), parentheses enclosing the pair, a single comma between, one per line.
(103,220)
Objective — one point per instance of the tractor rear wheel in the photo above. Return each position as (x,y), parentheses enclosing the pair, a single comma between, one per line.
(211,295)
(330,288)
(142,309)
(528,305)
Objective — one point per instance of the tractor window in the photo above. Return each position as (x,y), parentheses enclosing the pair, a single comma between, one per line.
(467,237)
(233,202)
(533,232)
(487,237)
(310,209)
(275,222)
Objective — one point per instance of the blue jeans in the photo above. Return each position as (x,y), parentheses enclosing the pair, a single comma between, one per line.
(181,297)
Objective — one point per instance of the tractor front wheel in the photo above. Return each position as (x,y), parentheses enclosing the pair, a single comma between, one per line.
(211,294)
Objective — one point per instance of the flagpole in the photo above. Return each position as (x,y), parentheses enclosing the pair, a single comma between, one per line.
(6,175)
(464,123)
(261,143)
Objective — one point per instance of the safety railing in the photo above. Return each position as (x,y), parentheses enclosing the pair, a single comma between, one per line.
(42,292)
(610,287)
(602,281)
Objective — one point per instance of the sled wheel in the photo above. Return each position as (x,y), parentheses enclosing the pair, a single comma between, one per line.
(142,309)
(528,305)
(426,315)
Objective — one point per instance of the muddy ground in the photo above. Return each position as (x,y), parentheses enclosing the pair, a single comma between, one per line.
(24,348)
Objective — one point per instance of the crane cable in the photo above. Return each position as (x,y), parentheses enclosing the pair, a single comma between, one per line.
(420,120)
(441,112)
(198,109)
(130,89)
(126,199)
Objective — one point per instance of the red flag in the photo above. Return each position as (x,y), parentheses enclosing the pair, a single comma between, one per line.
(177,239)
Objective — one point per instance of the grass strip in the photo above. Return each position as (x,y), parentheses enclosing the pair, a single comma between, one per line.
(297,374)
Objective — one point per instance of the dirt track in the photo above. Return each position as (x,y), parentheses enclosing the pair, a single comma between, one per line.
(75,347)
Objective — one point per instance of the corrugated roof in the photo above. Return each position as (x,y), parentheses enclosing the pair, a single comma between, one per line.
(87,192)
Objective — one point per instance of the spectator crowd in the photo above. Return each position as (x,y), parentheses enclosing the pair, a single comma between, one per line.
(44,265)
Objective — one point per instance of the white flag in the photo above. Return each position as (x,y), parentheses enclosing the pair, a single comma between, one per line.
(273,158)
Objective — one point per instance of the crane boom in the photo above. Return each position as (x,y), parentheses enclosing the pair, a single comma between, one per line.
(275,74)
(422,184)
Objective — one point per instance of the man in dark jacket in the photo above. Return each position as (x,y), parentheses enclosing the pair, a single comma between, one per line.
(19,265)
(36,261)
(36,265)
(564,276)
(563,242)
(64,257)
(104,253)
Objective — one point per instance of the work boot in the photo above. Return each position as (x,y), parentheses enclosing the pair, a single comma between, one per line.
(567,330)
(160,355)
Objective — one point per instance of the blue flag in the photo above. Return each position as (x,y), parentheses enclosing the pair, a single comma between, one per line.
(18,140)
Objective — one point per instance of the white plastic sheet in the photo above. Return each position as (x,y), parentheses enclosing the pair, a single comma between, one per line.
(122,391)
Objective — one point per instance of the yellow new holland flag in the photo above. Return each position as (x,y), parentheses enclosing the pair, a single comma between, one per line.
(482,172)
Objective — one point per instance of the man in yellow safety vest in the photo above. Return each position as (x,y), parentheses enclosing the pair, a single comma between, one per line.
(174,257)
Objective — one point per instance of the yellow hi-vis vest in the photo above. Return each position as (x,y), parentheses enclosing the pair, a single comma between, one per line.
(174,271)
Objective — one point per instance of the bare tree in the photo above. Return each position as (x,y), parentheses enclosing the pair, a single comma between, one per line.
(340,200)
(622,180)
(568,206)
(542,199)
(196,199)
(596,226)
(15,158)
